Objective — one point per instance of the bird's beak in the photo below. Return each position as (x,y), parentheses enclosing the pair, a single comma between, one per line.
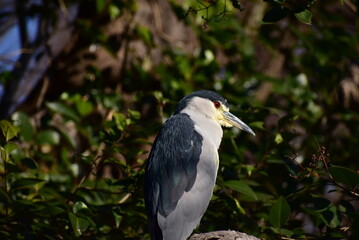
(233,120)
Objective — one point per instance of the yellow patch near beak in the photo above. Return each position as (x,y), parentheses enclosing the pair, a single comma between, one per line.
(221,116)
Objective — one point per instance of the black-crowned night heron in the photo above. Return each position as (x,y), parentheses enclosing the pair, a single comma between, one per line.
(182,167)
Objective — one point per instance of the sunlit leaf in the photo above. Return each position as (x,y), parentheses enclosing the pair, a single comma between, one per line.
(249,169)
(10,146)
(120,120)
(278,138)
(78,206)
(84,108)
(238,205)
(114,11)
(118,218)
(8,129)
(304,16)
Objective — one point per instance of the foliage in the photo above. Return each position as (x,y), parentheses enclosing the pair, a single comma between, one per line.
(216,10)
(74,168)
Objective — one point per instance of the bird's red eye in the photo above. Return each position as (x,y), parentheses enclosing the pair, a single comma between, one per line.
(217,104)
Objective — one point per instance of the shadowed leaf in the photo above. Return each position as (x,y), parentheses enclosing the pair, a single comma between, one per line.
(279,213)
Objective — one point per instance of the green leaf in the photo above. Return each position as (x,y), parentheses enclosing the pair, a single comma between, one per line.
(48,137)
(278,138)
(145,34)
(63,110)
(118,218)
(258,125)
(304,16)
(279,213)
(242,187)
(29,163)
(120,120)
(238,205)
(114,11)
(26,182)
(53,210)
(78,224)
(23,121)
(330,217)
(100,5)
(249,169)
(8,129)
(78,206)
(344,175)
(9,147)
(275,14)
(84,108)
(134,114)
(4,156)
(283,231)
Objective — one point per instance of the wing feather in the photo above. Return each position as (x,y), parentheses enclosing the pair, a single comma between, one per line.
(171,168)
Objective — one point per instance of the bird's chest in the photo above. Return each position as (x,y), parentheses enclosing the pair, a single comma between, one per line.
(211,133)
(209,159)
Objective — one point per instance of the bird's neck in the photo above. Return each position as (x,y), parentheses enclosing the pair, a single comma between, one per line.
(207,127)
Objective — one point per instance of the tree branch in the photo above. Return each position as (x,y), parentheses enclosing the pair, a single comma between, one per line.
(222,235)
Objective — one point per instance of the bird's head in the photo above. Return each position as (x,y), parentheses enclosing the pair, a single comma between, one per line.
(213,106)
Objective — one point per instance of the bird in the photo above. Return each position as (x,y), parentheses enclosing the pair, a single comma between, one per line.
(181,169)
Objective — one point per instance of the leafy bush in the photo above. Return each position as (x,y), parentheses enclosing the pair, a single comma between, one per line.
(73,169)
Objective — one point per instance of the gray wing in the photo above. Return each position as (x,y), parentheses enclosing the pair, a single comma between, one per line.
(171,168)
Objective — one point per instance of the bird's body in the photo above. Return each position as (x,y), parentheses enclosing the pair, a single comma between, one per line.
(182,167)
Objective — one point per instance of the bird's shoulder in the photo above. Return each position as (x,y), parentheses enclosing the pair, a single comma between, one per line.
(179,122)
(177,134)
